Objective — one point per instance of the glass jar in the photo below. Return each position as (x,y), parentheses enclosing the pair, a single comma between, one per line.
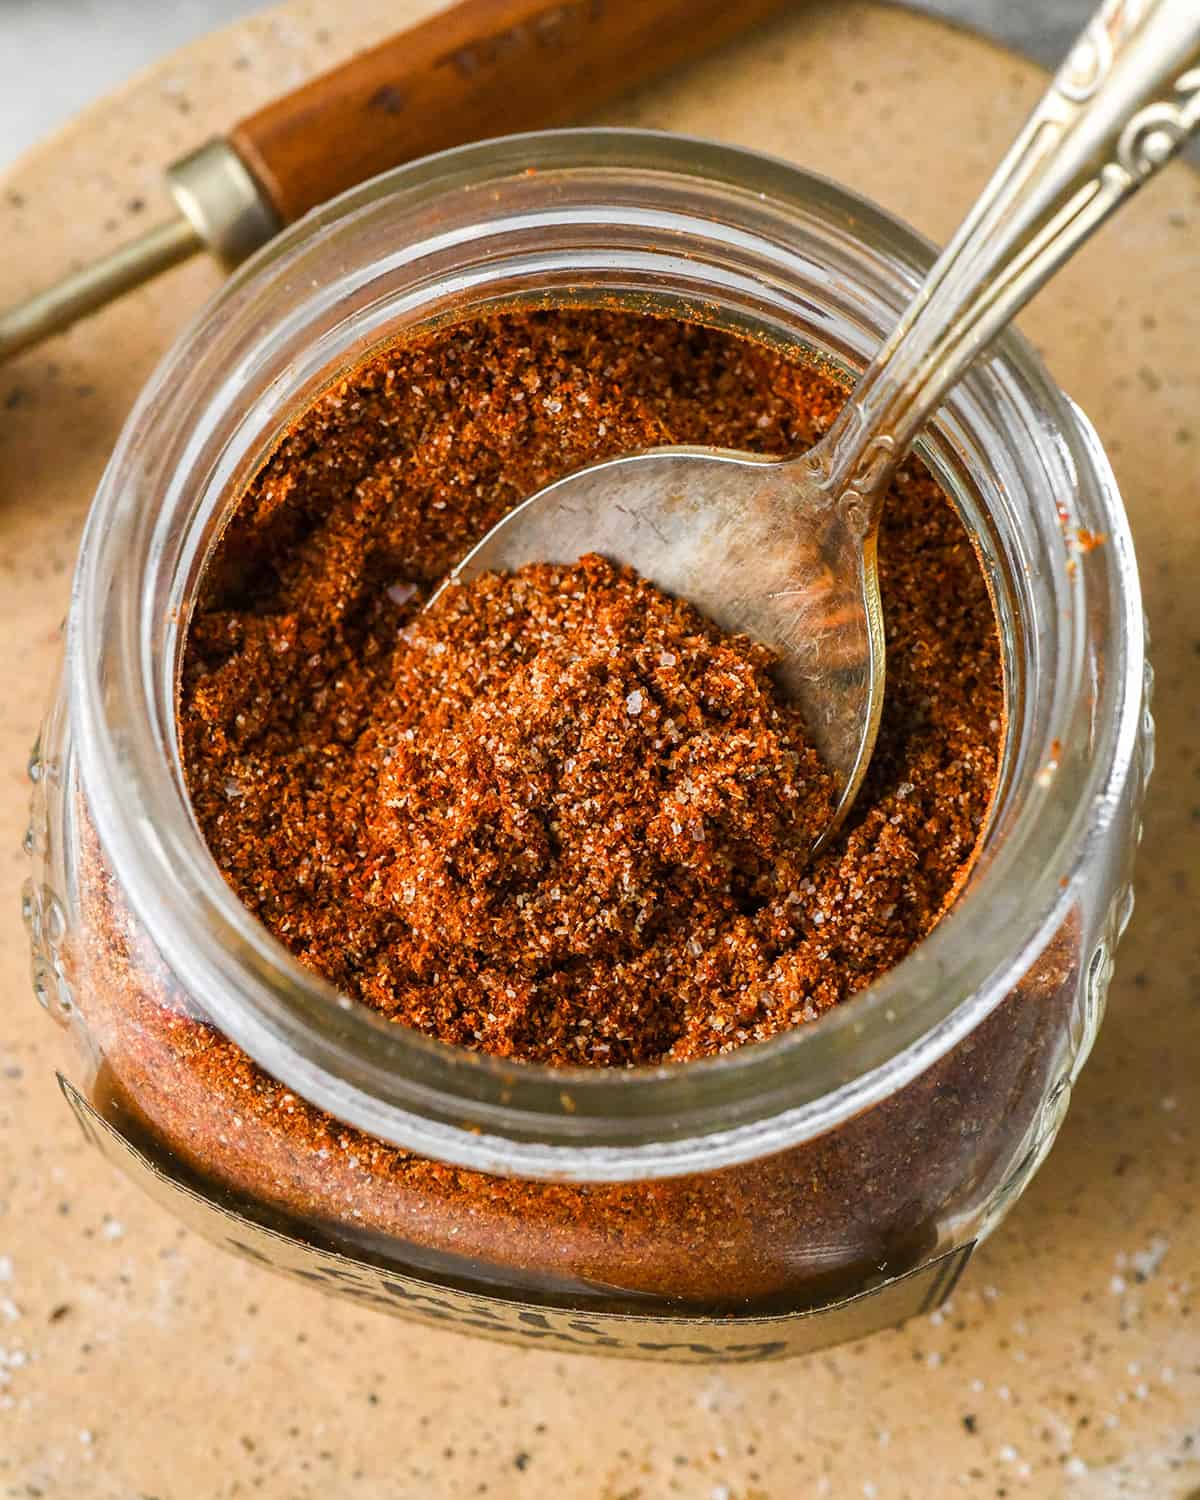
(777,1198)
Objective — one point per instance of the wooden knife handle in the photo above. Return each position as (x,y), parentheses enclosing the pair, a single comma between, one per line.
(480,68)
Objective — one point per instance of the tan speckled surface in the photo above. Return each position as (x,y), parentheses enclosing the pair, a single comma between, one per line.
(136,1361)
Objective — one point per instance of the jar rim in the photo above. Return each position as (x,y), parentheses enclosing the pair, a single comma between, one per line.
(575,1123)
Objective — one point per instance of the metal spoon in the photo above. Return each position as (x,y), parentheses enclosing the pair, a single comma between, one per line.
(786,551)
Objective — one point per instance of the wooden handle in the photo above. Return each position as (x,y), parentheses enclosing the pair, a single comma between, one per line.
(481,68)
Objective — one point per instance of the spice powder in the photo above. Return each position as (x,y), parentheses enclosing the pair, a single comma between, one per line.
(562,818)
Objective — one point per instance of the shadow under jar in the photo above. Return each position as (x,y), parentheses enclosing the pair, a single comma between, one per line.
(775,1198)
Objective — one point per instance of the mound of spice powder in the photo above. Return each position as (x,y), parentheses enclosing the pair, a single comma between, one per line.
(579,792)
(561,817)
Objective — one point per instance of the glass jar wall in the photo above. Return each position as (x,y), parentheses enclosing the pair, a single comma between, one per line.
(785,1195)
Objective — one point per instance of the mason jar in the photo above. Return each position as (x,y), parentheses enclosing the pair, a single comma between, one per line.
(777,1198)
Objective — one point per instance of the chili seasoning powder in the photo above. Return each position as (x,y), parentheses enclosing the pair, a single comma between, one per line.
(328,728)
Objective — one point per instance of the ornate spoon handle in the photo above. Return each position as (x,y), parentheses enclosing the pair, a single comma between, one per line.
(1122,104)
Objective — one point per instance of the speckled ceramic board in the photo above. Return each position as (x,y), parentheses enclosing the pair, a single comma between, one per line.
(136,1361)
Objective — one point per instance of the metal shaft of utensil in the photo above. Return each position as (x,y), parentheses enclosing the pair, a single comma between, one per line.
(220,208)
(88,290)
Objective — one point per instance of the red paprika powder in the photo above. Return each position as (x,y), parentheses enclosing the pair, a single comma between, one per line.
(564,819)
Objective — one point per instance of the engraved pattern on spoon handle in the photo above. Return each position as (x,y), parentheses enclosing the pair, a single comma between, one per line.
(1121,105)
